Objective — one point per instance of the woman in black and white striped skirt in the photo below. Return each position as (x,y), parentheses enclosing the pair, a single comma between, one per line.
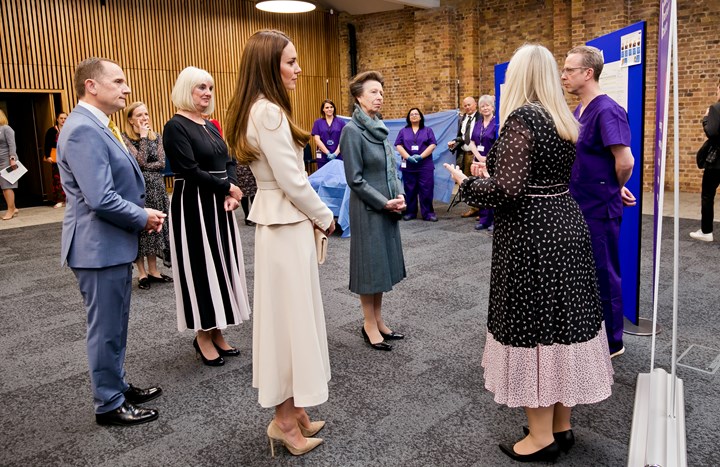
(208,266)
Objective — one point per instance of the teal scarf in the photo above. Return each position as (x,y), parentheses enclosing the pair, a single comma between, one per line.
(379,131)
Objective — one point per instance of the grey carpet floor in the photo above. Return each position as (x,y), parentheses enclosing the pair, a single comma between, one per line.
(423,404)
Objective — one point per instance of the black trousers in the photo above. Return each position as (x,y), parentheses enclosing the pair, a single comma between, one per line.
(710,183)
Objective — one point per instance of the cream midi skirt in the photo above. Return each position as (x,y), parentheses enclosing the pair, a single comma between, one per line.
(290,355)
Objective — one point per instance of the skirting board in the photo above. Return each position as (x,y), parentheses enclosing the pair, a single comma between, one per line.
(657,437)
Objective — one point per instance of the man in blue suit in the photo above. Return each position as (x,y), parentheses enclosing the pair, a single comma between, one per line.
(105,211)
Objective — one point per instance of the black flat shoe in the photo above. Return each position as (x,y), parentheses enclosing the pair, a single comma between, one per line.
(138,396)
(547,454)
(250,223)
(126,415)
(565,439)
(379,346)
(162,278)
(393,336)
(227,353)
(215,362)
(144,283)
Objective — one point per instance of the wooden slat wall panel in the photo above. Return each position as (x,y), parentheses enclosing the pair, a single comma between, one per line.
(41,41)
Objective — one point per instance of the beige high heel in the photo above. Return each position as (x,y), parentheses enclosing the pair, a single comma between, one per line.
(313,430)
(276,434)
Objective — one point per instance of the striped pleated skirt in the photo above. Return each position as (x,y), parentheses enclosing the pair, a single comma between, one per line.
(208,265)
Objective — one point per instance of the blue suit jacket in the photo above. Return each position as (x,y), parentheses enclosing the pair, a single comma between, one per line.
(105,195)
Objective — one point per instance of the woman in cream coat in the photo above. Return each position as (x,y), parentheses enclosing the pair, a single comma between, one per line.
(290,357)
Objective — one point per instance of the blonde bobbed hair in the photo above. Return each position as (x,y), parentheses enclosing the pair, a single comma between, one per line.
(186,81)
(532,77)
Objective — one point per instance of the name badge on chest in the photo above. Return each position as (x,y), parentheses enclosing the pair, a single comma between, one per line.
(415,148)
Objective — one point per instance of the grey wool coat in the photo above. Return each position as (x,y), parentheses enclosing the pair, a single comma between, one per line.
(376,256)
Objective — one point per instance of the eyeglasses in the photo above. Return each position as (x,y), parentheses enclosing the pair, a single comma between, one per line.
(569,71)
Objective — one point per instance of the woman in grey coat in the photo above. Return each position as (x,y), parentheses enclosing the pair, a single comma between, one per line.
(376,201)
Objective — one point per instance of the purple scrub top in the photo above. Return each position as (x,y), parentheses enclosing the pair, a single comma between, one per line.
(329,135)
(593,182)
(484,136)
(422,139)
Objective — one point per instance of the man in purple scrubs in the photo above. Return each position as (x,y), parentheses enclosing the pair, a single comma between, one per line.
(603,165)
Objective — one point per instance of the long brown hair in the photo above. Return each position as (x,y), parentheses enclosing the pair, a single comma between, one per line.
(259,75)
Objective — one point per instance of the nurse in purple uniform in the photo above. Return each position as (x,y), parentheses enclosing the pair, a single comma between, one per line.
(415,143)
(602,166)
(482,138)
(326,131)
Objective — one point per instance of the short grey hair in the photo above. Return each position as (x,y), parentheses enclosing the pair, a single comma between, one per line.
(487,99)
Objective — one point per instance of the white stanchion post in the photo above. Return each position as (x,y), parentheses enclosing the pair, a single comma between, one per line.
(658,437)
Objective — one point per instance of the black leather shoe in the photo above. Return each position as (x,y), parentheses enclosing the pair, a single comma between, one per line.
(250,223)
(227,353)
(126,415)
(215,362)
(379,346)
(565,439)
(138,396)
(547,454)
(162,278)
(393,336)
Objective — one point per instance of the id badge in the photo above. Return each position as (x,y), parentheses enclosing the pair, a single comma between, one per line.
(481,148)
(415,148)
(403,164)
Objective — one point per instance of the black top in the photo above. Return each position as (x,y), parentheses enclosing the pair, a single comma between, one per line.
(195,150)
(543,284)
(50,140)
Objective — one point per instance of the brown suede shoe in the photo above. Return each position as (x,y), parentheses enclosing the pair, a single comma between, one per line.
(470,212)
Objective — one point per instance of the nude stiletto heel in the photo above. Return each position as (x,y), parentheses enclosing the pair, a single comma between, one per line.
(274,433)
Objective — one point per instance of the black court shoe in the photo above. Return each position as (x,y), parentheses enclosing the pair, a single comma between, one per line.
(379,346)
(392,336)
(547,454)
(565,439)
(215,362)
(233,352)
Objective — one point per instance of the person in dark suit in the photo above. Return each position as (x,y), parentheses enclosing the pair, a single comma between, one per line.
(460,146)
(711,173)
(105,211)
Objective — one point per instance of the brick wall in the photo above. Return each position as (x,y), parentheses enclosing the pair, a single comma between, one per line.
(433,58)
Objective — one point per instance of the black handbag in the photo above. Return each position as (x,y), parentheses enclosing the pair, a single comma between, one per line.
(707,154)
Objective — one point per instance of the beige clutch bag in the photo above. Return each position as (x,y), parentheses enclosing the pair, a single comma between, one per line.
(321,242)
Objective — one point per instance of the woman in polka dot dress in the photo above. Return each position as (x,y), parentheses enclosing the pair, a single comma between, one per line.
(545,347)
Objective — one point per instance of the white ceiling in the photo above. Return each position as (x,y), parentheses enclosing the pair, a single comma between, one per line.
(363,7)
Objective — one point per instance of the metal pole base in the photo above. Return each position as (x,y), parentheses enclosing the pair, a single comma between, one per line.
(643,328)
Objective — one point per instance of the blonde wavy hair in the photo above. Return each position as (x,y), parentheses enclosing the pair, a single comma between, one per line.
(152,136)
(532,77)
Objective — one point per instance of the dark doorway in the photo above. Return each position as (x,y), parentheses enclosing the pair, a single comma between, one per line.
(30,114)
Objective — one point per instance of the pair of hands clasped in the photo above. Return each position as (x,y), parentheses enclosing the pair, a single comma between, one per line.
(396,204)
(478,169)
(415,158)
(232,200)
